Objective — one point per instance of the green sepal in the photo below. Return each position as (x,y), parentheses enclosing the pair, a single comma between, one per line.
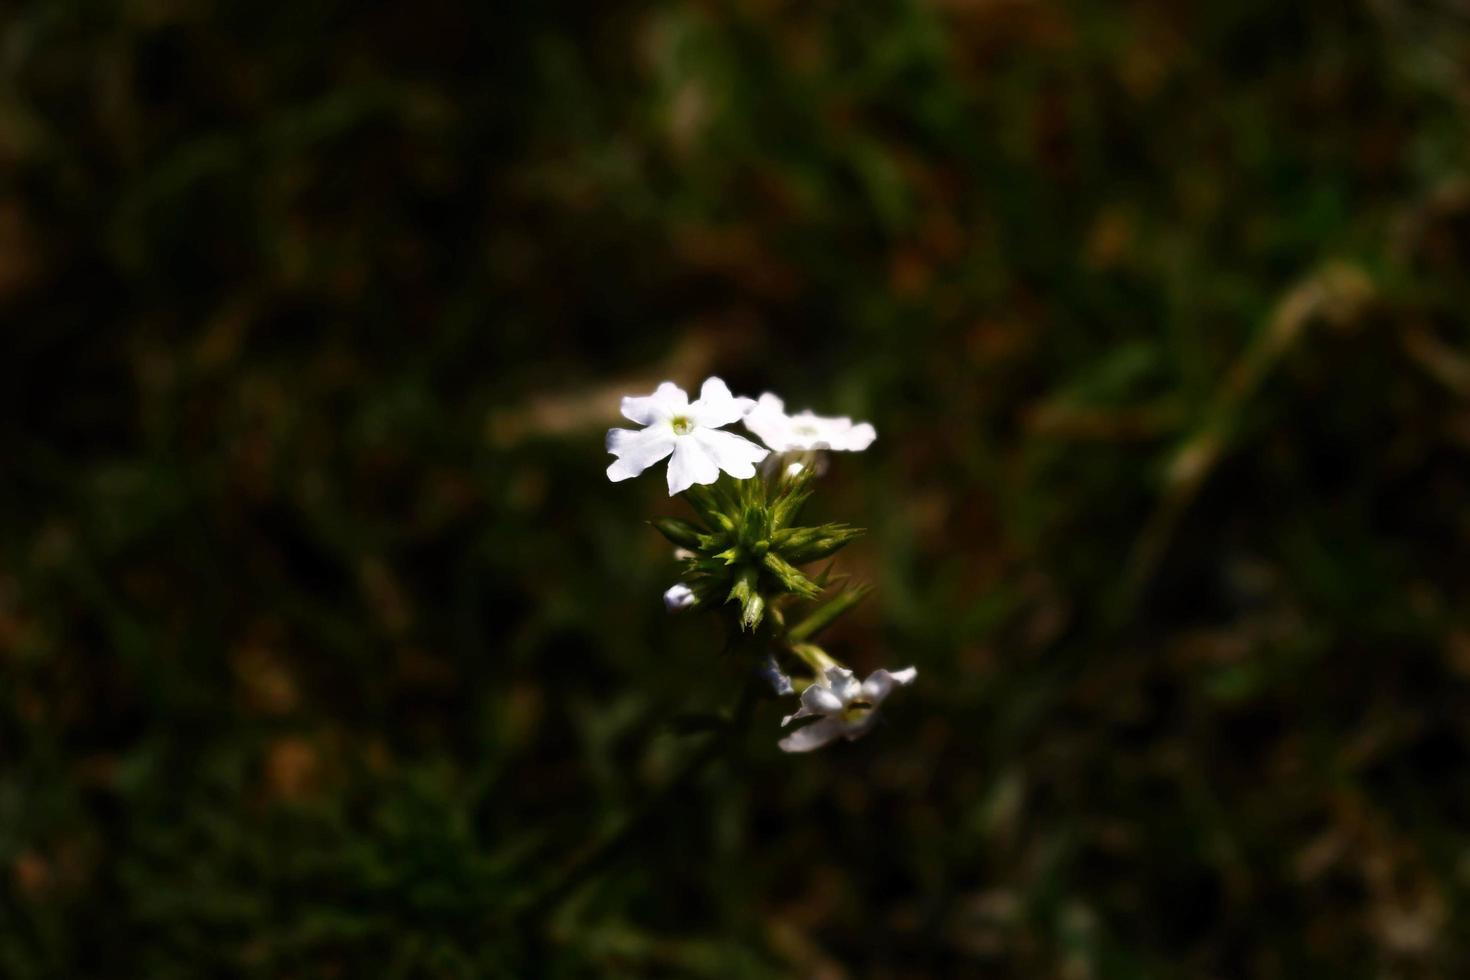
(826,614)
(681,534)
(752,525)
(712,567)
(800,545)
(713,506)
(752,612)
(751,494)
(703,502)
(745,591)
(787,506)
(790,577)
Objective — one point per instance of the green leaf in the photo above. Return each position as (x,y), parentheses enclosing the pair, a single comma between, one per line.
(827,614)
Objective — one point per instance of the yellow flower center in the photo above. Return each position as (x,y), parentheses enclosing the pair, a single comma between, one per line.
(683,425)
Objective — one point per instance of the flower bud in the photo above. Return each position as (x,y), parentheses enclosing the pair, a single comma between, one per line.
(679,598)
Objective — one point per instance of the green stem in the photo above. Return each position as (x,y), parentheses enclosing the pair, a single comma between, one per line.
(814,657)
(605,852)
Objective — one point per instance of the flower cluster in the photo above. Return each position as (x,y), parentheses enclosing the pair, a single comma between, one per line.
(743,553)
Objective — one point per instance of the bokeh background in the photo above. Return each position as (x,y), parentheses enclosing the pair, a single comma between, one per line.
(327,650)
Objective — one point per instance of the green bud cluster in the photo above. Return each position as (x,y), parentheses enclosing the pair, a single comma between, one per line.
(745,548)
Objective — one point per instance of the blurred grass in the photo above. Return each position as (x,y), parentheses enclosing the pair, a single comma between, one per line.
(325,645)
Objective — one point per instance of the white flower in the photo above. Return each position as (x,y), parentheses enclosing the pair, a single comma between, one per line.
(848,709)
(790,433)
(678,598)
(690,431)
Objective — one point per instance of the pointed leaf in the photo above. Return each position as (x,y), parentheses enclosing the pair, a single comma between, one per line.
(827,614)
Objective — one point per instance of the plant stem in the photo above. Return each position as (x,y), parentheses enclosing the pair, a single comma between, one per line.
(602,854)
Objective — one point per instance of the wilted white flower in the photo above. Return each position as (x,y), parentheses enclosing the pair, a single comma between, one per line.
(847,709)
(772,674)
(678,598)
(690,431)
(790,433)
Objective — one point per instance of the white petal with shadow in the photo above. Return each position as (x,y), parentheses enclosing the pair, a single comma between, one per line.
(813,736)
(666,401)
(734,454)
(690,464)
(637,450)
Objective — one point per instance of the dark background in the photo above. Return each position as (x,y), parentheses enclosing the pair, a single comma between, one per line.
(326,648)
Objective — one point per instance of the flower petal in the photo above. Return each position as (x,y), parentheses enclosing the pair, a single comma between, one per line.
(666,401)
(813,736)
(861,437)
(690,464)
(817,699)
(801,712)
(716,406)
(637,450)
(804,430)
(771,402)
(842,684)
(881,682)
(767,419)
(734,454)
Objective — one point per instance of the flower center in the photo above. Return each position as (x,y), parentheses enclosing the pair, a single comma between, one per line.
(856,711)
(683,425)
(806,429)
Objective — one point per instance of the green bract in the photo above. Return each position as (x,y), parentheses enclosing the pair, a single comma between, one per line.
(745,549)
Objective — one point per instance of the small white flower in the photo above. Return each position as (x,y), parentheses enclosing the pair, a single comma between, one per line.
(847,709)
(678,598)
(690,431)
(791,433)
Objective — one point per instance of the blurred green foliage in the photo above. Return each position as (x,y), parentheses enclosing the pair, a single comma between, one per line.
(326,649)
